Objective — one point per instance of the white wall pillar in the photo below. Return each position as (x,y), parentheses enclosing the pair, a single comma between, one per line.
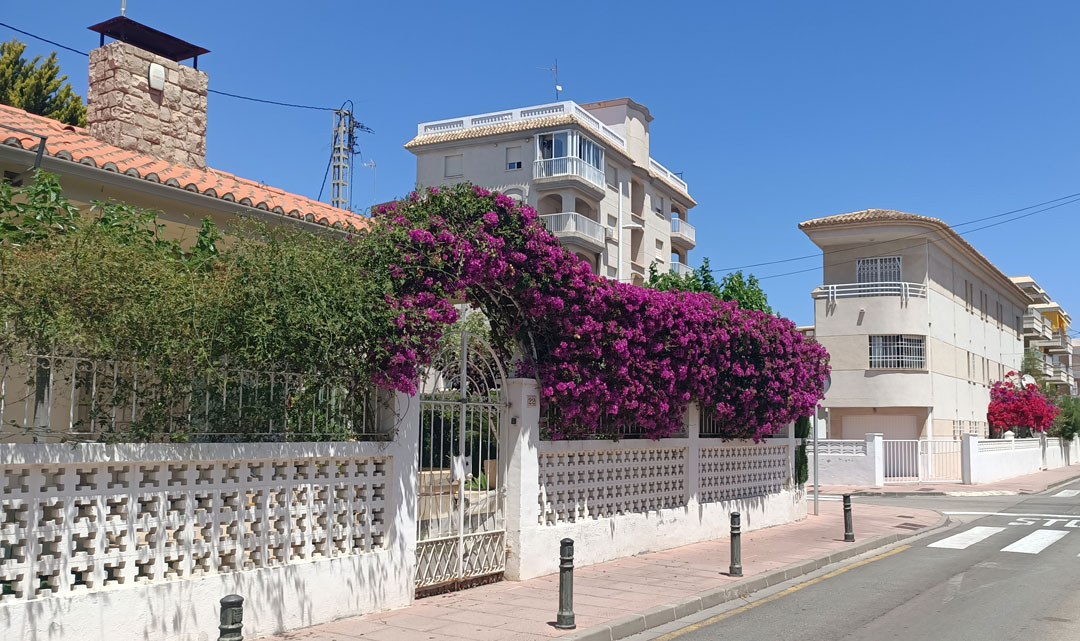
(875,453)
(969,455)
(402,419)
(521,443)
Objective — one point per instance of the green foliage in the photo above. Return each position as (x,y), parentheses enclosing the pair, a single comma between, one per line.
(746,291)
(802,463)
(106,285)
(1067,423)
(37,86)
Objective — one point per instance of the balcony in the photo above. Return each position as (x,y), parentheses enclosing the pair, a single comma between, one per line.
(570,167)
(680,269)
(1060,374)
(573,228)
(522,114)
(669,175)
(1036,326)
(1059,343)
(683,232)
(864,290)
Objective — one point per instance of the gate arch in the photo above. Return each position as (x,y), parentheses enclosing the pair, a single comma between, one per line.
(461,516)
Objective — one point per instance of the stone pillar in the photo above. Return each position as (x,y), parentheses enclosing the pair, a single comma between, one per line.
(520,451)
(122,109)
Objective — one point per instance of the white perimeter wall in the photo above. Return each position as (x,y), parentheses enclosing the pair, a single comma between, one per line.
(849,462)
(988,460)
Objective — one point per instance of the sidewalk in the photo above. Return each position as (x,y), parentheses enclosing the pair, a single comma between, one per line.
(616,599)
(1028,484)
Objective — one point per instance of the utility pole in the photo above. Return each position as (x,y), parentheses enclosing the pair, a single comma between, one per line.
(344,148)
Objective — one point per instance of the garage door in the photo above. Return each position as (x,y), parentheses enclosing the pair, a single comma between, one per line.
(893,426)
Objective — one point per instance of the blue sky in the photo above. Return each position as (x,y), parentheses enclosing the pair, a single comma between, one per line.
(775,111)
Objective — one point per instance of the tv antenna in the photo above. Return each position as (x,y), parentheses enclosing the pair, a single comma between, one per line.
(554,70)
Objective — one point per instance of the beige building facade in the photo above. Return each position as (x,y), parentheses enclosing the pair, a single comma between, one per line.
(587,171)
(917,322)
(1046,337)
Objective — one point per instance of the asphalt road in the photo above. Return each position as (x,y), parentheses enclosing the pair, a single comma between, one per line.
(1013,573)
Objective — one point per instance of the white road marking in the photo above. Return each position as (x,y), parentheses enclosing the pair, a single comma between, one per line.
(1035,542)
(967,538)
(1038,516)
(1065,494)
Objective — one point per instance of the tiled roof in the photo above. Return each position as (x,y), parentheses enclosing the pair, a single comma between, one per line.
(75,144)
(868,216)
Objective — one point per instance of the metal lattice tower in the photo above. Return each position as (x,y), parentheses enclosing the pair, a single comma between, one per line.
(344,148)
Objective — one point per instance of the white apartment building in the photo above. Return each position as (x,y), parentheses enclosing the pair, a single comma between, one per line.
(585,168)
(1046,336)
(917,322)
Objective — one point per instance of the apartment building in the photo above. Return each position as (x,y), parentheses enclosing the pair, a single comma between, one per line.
(917,322)
(1076,366)
(1046,336)
(585,168)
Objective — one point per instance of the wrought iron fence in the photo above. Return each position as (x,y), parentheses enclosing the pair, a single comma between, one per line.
(64,397)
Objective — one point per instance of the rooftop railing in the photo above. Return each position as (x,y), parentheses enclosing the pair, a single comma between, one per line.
(863,290)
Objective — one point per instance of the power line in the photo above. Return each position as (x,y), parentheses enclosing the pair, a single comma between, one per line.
(214,91)
(963,224)
(924,235)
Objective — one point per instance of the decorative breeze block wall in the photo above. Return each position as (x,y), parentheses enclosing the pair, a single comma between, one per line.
(597,483)
(119,521)
(737,471)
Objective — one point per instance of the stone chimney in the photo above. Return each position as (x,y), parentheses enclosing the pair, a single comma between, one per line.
(125,107)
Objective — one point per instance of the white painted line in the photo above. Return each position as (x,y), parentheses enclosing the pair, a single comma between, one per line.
(966,538)
(1038,516)
(1066,494)
(1035,542)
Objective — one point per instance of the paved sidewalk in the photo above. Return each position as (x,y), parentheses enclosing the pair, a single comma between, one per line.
(1027,484)
(603,593)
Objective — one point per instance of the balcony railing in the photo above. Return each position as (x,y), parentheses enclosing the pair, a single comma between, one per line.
(568,166)
(1035,324)
(680,227)
(680,269)
(574,223)
(669,175)
(524,113)
(1059,343)
(863,290)
(1060,373)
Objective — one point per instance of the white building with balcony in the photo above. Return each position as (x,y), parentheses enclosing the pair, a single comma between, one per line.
(917,322)
(1046,336)
(585,168)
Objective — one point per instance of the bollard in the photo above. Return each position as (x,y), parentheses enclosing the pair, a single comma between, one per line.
(565,619)
(232,618)
(849,533)
(736,546)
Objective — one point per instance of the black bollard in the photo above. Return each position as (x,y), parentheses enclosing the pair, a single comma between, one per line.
(849,533)
(565,619)
(736,546)
(232,618)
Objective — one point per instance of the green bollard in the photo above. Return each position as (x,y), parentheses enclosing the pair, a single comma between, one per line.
(565,619)
(232,618)
(736,546)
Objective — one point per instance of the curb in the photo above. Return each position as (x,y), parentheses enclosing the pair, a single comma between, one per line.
(654,617)
(1051,486)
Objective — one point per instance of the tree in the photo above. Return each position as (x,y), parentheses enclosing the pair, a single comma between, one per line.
(745,291)
(1022,408)
(1067,423)
(37,86)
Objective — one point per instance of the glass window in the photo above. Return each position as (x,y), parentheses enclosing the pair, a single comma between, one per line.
(553,145)
(899,352)
(590,152)
(881,269)
(513,158)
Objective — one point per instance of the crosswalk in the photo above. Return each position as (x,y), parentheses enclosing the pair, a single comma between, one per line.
(1032,543)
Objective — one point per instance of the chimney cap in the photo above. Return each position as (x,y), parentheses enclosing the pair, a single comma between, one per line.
(134,33)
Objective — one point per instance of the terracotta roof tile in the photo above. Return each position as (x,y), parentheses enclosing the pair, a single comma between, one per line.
(75,144)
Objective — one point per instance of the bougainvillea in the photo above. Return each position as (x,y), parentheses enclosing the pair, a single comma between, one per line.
(1014,405)
(608,355)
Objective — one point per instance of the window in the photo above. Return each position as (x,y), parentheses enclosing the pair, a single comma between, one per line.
(880,269)
(560,144)
(999,313)
(452,166)
(984,303)
(612,178)
(897,352)
(658,205)
(513,158)
(553,145)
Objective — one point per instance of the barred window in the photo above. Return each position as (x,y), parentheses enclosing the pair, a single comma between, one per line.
(881,269)
(897,352)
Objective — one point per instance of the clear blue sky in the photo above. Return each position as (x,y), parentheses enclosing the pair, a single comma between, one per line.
(775,111)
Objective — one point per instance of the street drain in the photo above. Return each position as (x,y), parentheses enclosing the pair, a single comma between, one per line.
(909,526)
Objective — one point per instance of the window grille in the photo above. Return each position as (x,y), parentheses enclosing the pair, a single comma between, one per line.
(880,269)
(897,352)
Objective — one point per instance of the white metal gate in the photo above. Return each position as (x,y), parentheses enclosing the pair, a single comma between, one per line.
(461,523)
(922,460)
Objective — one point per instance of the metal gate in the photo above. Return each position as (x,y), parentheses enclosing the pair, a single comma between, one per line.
(922,460)
(461,522)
